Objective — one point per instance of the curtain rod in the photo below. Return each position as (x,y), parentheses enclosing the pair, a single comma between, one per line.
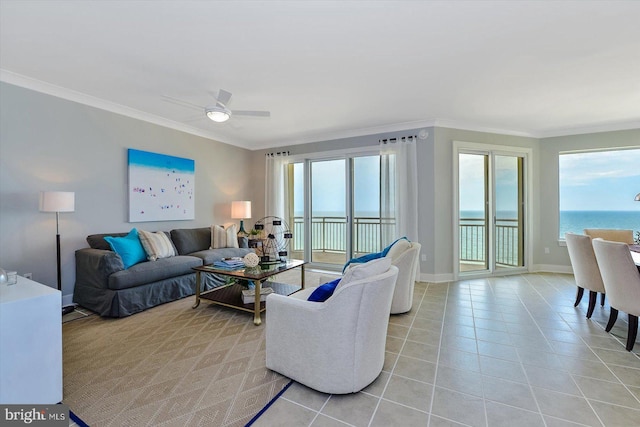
(409,138)
(279,153)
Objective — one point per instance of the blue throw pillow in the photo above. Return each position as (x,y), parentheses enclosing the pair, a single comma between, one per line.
(128,247)
(368,257)
(323,292)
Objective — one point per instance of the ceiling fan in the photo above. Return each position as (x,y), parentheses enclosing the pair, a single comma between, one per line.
(219,112)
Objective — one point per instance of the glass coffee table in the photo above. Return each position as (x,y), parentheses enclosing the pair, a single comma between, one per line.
(230,295)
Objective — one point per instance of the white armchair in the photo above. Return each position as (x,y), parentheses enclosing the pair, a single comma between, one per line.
(336,346)
(405,256)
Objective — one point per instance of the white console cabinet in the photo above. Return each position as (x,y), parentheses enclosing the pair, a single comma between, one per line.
(30,343)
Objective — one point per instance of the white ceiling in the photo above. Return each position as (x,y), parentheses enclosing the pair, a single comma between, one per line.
(332,69)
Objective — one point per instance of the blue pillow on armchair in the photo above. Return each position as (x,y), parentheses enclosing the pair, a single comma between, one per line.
(368,257)
(323,292)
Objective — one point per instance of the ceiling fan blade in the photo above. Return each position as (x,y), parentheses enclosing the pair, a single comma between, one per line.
(223,97)
(181,102)
(251,113)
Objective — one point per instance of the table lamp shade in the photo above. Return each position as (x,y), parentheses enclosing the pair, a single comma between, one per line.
(241,209)
(57,201)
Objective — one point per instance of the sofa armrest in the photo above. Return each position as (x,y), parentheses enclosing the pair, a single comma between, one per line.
(94,266)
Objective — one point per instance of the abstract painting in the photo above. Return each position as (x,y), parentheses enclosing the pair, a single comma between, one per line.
(161,187)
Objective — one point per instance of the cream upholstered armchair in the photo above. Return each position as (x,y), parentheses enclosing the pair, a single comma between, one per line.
(404,255)
(622,282)
(610,234)
(585,269)
(336,346)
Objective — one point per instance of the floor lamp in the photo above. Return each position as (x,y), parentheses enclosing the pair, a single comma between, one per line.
(58,201)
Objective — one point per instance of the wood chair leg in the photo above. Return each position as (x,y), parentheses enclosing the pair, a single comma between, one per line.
(579,296)
(593,298)
(633,331)
(602,299)
(613,316)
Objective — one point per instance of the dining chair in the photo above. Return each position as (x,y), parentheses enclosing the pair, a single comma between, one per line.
(610,234)
(585,269)
(622,283)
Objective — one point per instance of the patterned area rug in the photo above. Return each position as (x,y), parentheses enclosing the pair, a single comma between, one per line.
(170,366)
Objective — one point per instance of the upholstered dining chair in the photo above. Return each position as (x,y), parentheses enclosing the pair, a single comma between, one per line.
(585,269)
(336,346)
(622,283)
(610,234)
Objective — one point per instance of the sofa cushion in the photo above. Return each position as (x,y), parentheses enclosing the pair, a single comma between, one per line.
(212,255)
(156,245)
(148,272)
(128,247)
(96,241)
(188,240)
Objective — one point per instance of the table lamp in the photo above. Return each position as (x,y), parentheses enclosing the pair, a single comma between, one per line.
(241,210)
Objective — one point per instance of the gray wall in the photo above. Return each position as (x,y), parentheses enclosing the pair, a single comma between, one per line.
(47,143)
(549,190)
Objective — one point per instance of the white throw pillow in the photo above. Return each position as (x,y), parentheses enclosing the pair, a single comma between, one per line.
(156,245)
(221,238)
(398,248)
(362,271)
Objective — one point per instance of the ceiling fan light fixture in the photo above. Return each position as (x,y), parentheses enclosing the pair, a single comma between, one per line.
(218,114)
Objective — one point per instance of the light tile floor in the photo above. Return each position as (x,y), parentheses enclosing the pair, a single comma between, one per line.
(506,351)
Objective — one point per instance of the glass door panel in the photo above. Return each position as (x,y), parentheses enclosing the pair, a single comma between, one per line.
(473,213)
(329,239)
(367,223)
(296,209)
(509,236)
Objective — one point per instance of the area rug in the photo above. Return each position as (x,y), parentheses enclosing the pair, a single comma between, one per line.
(170,365)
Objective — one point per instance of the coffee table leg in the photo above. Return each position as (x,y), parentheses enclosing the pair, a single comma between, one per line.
(302,272)
(256,303)
(197,290)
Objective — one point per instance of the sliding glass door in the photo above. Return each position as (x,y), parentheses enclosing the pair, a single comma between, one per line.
(490,212)
(342,199)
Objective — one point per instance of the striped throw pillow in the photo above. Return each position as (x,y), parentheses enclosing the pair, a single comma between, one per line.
(221,238)
(156,245)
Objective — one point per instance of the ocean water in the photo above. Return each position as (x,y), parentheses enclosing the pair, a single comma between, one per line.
(577,221)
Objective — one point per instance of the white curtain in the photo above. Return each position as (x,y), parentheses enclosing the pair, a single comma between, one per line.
(276,185)
(399,188)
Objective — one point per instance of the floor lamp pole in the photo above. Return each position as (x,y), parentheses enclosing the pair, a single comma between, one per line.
(67,309)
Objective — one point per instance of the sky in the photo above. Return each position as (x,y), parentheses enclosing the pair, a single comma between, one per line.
(329,186)
(604,180)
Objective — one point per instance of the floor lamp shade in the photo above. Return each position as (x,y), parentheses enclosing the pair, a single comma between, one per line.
(57,201)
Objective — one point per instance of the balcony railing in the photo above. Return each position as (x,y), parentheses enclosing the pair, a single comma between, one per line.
(473,235)
(329,235)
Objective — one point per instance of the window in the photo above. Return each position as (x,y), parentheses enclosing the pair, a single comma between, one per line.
(597,190)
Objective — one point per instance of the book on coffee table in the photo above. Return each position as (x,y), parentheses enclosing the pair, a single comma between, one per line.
(249,295)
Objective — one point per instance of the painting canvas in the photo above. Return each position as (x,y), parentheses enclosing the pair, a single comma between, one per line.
(161,187)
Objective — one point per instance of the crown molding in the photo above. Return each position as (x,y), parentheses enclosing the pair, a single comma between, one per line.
(92,101)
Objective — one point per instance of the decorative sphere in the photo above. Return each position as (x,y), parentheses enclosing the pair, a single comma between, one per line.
(251,260)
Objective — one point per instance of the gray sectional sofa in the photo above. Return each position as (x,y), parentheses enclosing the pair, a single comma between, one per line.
(104,286)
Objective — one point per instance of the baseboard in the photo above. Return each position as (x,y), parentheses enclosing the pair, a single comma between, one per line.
(67,300)
(436,278)
(551,268)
